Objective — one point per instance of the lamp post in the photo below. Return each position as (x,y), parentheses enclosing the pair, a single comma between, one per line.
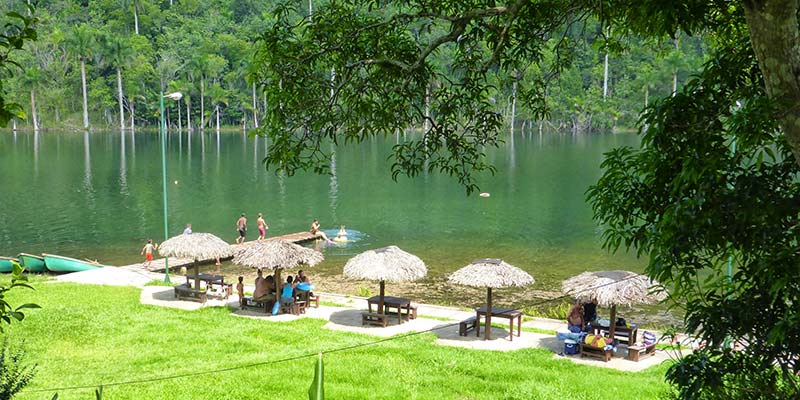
(163,126)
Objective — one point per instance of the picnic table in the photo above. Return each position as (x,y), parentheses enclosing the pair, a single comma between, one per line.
(626,335)
(209,279)
(399,303)
(507,313)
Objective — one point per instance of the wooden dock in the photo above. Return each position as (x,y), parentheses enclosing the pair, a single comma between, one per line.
(158,264)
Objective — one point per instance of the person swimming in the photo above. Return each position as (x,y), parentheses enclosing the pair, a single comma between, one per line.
(341,236)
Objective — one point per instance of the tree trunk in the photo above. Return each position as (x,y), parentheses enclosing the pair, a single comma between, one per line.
(514,100)
(646,95)
(605,77)
(85,95)
(188,114)
(427,107)
(202,103)
(119,95)
(180,124)
(33,111)
(255,107)
(133,113)
(775,38)
(135,17)
(216,109)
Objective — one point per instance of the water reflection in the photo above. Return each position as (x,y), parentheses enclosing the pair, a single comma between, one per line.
(87,171)
(123,173)
(36,152)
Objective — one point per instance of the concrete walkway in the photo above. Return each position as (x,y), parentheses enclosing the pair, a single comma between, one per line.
(343,313)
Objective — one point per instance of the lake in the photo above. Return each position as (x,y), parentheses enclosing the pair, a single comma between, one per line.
(98,195)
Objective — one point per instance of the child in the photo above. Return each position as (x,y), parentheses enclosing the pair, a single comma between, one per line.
(147,251)
(240,290)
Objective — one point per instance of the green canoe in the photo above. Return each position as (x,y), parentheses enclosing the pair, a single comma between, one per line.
(31,262)
(56,263)
(5,264)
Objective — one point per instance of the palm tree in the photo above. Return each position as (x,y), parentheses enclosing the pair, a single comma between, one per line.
(82,41)
(32,79)
(118,52)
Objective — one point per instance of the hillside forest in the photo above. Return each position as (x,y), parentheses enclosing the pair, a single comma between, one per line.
(102,64)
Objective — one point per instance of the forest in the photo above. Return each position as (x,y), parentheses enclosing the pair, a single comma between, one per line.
(103,64)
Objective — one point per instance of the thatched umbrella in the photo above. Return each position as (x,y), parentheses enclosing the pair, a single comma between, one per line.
(385,264)
(197,246)
(610,288)
(276,255)
(490,273)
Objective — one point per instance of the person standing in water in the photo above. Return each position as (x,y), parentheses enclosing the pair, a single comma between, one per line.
(241,226)
(147,251)
(262,227)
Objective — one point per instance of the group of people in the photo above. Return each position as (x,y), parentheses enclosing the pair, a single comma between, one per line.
(265,288)
(581,315)
(241,226)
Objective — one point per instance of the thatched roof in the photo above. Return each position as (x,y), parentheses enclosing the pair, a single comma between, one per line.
(614,287)
(274,254)
(390,264)
(198,246)
(491,272)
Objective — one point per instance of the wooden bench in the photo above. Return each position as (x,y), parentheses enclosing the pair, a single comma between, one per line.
(249,302)
(637,352)
(596,352)
(184,292)
(466,325)
(314,298)
(374,319)
(622,333)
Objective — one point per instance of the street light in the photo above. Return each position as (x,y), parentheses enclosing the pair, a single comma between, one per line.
(163,125)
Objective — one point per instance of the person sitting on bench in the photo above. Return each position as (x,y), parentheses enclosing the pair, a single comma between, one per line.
(262,291)
(575,318)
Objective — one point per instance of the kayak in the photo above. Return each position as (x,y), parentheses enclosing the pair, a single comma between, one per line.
(31,262)
(56,263)
(5,264)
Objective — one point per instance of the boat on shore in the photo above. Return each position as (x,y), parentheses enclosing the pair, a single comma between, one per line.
(56,263)
(5,264)
(31,263)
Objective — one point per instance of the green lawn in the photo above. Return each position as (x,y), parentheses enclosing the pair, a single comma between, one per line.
(88,335)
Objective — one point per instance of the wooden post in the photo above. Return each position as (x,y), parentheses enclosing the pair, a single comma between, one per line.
(489,314)
(278,284)
(613,321)
(380,300)
(196,275)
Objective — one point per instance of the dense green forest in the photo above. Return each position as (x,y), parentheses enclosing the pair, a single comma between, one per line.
(112,58)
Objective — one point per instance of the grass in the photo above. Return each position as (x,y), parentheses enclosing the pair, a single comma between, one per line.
(91,335)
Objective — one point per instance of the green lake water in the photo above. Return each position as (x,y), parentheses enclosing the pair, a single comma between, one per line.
(98,196)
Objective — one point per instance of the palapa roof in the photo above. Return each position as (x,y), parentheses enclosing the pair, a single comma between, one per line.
(390,264)
(491,272)
(614,287)
(198,246)
(274,254)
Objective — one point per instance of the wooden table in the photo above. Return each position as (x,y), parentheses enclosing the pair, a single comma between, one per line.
(627,335)
(399,303)
(507,313)
(209,279)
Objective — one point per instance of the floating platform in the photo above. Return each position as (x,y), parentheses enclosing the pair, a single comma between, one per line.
(159,264)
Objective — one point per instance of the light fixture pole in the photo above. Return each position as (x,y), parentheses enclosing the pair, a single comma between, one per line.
(163,127)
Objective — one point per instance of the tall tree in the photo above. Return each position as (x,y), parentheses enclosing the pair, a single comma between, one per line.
(118,53)
(82,42)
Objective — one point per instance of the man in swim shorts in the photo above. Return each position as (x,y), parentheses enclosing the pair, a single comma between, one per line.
(147,251)
(241,226)
(262,227)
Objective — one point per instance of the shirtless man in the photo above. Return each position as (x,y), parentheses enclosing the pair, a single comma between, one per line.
(147,251)
(241,226)
(262,227)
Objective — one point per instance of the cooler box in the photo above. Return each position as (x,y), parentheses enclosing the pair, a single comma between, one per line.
(570,347)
